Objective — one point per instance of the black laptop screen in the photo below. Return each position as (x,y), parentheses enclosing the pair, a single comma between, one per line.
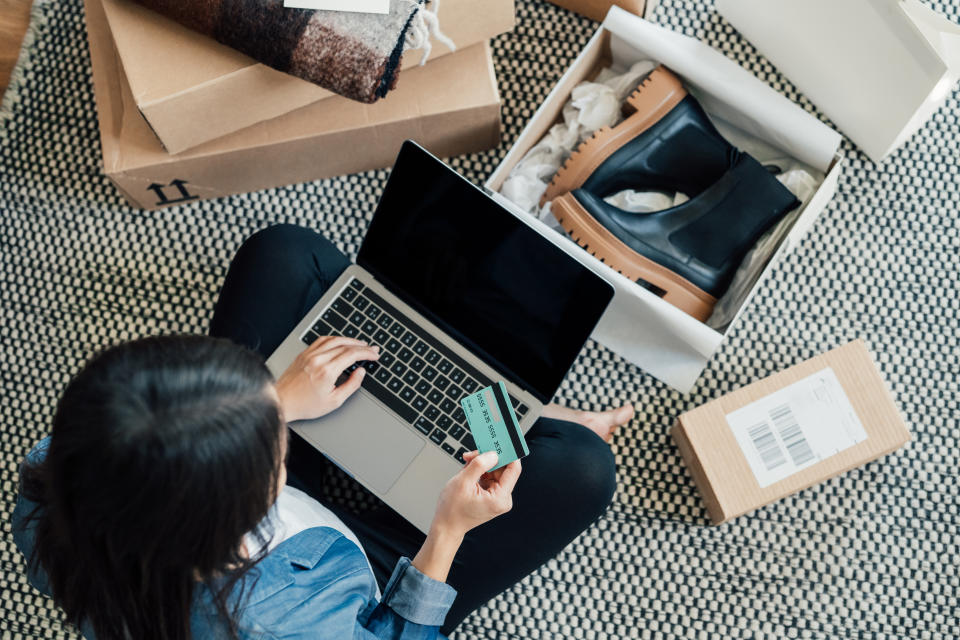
(489,280)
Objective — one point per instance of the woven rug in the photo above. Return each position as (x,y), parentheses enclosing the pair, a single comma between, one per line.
(871,554)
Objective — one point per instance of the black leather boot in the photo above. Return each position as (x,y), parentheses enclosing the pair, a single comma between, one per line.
(668,143)
(688,253)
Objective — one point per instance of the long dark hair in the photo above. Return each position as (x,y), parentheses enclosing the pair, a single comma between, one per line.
(165,451)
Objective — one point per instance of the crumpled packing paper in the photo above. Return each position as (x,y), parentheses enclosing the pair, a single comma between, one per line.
(597,104)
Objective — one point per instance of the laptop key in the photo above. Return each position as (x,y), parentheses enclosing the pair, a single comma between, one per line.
(397,330)
(448,449)
(447,405)
(444,422)
(356,284)
(423,387)
(424,426)
(432,413)
(395,385)
(393,345)
(321,328)
(459,455)
(405,354)
(371,365)
(364,338)
(384,320)
(409,338)
(417,364)
(522,410)
(454,392)
(334,319)
(457,376)
(340,306)
(357,318)
(411,377)
(383,374)
(386,359)
(421,348)
(468,442)
(309,337)
(419,403)
(350,331)
(372,312)
(429,373)
(514,402)
(458,415)
(407,394)
(381,336)
(441,383)
(445,366)
(369,327)
(455,432)
(438,436)
(398,369)
(469,385)
(389,398)
(348,294)
(432,357)
(360,303)
(436,397)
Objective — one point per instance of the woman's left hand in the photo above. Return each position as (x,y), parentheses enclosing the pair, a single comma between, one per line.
(307,389)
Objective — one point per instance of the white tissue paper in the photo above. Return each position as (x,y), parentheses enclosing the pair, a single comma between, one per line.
(597,104)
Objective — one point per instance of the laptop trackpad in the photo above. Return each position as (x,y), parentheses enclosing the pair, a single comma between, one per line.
(365,441)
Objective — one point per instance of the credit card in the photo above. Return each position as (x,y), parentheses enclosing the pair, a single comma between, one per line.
(493,424)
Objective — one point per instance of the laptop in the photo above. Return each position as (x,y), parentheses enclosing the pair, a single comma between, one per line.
(460,293)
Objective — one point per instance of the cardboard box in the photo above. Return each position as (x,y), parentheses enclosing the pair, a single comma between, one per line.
(192,89)
(639,325)
(731,443)
(452,106)
(878,68)
(597,9)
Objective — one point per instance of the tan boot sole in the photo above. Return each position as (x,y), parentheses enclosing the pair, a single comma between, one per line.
(606,247)
(654,98)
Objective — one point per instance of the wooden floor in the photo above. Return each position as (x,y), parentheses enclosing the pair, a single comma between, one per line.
(14,17)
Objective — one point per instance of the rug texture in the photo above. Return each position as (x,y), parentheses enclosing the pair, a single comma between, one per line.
(872,554)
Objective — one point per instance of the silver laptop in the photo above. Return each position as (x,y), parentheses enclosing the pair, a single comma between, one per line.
(459,293)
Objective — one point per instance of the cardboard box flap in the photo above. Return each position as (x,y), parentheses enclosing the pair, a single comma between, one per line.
(727,89)
(877,68)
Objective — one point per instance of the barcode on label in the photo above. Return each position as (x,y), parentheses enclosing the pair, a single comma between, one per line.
(767,446)
(791,434)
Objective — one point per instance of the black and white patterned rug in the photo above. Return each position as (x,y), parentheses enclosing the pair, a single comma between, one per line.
(872,554)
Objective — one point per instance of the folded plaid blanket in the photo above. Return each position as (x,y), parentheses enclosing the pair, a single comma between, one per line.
(354,54)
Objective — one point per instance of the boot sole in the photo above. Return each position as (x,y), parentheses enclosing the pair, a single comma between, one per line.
(606,247)
(660,92)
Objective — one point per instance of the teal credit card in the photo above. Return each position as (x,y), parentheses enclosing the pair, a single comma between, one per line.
(494,425)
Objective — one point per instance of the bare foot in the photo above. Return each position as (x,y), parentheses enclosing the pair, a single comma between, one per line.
(603,423)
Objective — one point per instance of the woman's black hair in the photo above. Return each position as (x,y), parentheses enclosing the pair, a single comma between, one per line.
(164,453)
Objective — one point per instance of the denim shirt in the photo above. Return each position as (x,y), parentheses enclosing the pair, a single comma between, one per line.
(316,584)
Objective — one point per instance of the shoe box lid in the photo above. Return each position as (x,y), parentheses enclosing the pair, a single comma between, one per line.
(878,68)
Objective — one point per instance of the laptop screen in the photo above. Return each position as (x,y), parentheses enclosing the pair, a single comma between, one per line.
(470,266)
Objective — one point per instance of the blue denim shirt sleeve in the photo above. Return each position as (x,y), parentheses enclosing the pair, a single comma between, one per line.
(24,528)
(417,597)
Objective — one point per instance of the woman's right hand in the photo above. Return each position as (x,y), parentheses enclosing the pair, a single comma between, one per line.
(476,495)
(308,389)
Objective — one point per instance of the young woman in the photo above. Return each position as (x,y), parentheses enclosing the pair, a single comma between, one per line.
(161,505)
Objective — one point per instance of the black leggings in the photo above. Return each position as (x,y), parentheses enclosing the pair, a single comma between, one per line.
(566,484)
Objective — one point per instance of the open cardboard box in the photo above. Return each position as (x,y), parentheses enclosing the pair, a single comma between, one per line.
(192,89)
(451,107)
(640,326)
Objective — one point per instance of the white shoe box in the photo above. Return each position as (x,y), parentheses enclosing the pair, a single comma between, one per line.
(640,326)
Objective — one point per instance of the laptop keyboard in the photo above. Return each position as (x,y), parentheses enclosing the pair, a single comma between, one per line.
(417,376)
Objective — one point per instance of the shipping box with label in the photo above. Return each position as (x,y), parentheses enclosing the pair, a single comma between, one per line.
(192,89)
(451,106)
(787,432)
